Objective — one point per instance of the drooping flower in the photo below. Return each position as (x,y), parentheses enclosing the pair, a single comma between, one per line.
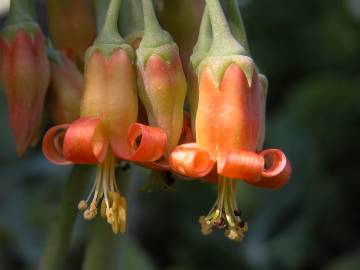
(25,74)
(229,127)
(65,89)
(107,127)
(161,80)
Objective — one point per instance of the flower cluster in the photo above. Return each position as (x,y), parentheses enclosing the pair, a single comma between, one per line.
(130,106)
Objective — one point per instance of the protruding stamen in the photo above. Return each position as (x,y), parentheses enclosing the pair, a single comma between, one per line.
(225,213)
(105,191)
(82,205)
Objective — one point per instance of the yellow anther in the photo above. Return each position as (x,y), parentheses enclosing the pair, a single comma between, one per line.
(205,225)
(82,205)
(115,228)
(109,215)
(89,214)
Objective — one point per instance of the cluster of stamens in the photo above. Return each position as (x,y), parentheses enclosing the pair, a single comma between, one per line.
(105,192)
(225,213)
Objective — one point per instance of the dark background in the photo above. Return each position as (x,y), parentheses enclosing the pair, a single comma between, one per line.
(310,52)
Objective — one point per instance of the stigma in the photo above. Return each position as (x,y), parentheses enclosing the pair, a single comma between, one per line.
(105,195)
(225,213)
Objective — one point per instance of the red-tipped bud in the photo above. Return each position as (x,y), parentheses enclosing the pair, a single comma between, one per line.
(66,82)
(25,75)
(162,89)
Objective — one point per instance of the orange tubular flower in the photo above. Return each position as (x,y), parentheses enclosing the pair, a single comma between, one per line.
(107,125)
(229,129)
(25,74)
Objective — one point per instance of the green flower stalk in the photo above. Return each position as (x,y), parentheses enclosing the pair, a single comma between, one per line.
(131,22)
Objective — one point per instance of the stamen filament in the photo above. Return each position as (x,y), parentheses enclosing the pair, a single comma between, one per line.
(106,192)
(225,212)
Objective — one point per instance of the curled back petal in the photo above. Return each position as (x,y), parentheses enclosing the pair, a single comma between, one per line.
(147,143)
(52,145)
(190,160)
(277,169)
(245,165)
(86,141)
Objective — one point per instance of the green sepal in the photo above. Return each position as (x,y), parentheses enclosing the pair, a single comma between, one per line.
(223,42)
(219,64)
(165,51)
(109,39)
(264,83)
(20,17)
(155,39)
(108,49)
(203,44)
(154,35)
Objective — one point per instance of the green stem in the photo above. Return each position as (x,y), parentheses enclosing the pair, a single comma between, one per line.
(102,247)
(154,35)
(205,34)
(57,244)
(224,42)
(109,33)
(100,11)
(203,43)
(131,19)
(21,12)
(236,23)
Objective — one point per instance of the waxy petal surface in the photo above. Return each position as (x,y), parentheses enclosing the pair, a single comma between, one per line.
(190,160)
(277,169)
(242,164)
(86,141)
(162,91)
(151,145)
(239,112)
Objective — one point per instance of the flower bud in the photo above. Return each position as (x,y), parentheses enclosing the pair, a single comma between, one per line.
(25,75)
(66,82)
(162,83)
(71,25)
(162,89)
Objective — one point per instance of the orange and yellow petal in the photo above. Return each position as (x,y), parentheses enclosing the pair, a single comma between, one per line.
(86,141)
(52,145)
(190,160)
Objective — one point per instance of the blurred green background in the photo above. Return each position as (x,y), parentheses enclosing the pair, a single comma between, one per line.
(310,51)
